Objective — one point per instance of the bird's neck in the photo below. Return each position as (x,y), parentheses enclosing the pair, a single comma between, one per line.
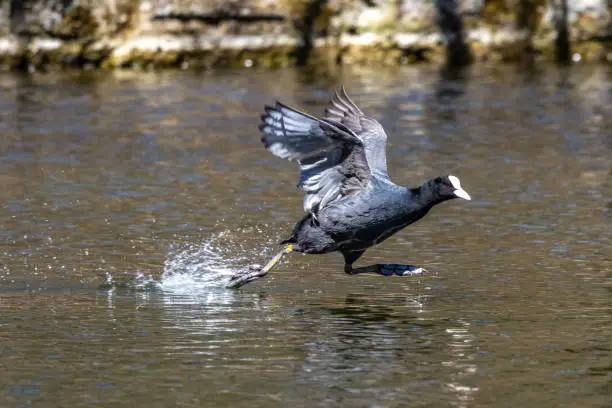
(425,195)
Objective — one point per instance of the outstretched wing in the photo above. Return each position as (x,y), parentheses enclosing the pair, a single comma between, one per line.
(331,157)
(343,110)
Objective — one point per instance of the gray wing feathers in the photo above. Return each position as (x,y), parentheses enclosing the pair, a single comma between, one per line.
(331,157)
(343,110)
(291,137)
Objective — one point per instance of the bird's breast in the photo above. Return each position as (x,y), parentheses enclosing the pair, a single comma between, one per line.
(363,221)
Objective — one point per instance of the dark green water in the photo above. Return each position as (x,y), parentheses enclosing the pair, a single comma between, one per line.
(128,199)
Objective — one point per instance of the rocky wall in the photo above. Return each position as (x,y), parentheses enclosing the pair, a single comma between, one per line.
(49,34)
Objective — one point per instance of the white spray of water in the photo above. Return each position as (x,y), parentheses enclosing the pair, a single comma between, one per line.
(199,273)
(208,265)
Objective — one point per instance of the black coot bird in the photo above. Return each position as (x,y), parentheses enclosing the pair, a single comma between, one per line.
(351,203)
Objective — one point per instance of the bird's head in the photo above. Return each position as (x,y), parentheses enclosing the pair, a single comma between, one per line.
(449,187)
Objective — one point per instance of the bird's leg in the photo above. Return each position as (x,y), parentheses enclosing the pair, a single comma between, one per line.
(349,259)
(385,269)
(242,278)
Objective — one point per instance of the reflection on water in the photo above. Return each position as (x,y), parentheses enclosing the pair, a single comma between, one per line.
(130,198)
(463,354)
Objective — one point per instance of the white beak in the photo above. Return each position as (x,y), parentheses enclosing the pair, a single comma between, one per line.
(459,192)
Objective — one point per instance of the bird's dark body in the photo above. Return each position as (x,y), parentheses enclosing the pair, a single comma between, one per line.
(358,222)
(350,201)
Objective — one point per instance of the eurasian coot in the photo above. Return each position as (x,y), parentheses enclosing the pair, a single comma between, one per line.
(351,203)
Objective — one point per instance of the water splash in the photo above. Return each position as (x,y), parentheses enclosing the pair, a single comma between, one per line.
(197,270)
(198,275)
(208,265)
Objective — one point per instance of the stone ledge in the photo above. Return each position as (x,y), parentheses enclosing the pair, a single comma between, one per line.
(268,50)
(51,34)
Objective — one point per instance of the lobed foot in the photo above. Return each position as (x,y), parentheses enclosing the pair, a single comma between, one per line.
(386,269)
(254,272)
(247,275)
(400,270)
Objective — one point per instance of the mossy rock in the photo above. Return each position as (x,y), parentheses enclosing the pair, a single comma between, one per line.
(506,52)
(10,62)
(423,25)
(498,13)
(68,54)
(78,23)
(127,18)
(271,57)
(590,51)
(384,54)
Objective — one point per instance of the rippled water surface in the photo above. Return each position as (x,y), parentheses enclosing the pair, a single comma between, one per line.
(128,199)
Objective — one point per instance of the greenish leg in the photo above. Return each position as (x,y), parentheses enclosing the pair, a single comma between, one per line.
(253,273)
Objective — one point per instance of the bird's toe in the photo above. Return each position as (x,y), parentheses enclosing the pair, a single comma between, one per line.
(249,274)
(413,270)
